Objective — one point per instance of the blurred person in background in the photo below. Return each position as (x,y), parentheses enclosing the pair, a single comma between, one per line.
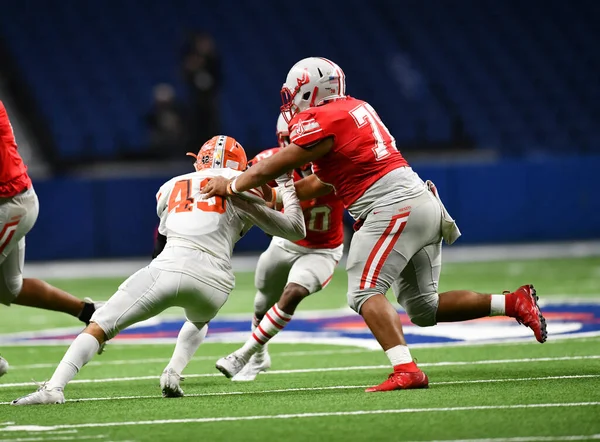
(166,123)
(18,212)
(202,74)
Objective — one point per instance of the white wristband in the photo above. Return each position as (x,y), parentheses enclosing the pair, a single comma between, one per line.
(233,188)
(278,197)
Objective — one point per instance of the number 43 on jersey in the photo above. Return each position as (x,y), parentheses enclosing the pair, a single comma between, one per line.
(182,199)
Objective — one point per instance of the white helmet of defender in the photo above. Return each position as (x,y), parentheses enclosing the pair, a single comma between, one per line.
(309,83)
(283,132)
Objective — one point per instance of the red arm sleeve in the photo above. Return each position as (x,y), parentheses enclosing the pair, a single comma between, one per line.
(306,130)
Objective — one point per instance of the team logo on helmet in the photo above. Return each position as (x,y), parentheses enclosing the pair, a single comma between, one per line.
(304,79)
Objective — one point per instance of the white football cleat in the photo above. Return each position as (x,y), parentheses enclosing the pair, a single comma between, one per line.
(97,305)
(169,383)
(43,396)
(230,365)
(3,366)
(259,362)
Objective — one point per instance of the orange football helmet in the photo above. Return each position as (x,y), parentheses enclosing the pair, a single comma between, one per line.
(221,152)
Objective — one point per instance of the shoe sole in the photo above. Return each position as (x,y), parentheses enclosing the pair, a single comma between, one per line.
(16,404)
(543,331)
(425,384)
(223,370)
(170,392)
(262,370)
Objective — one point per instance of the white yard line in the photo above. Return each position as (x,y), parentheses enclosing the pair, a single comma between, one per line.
(334,387)
(329,369)
(523,439)
(301,416)
(42,438)
(197,358)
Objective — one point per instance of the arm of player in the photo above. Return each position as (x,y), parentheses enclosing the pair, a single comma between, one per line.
(287,159)
(162,196)
(311,187)
(306,189)
(161,205)
(288,225)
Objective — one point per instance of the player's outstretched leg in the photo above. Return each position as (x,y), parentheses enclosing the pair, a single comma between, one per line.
(40,294)
(273,322)
(189,339)
(462,305)
(81,351)
(384,322)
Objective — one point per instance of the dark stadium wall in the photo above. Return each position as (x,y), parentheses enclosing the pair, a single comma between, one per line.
(511,201)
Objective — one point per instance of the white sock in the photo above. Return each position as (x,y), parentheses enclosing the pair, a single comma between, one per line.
(400,354)
(274,321)
(81,351)
(497,306)
(189,339)
(262,349)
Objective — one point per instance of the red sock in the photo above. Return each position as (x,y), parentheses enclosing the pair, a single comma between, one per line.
(410,367)
(509,304)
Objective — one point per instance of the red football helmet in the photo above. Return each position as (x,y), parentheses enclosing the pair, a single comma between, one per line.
(220,152)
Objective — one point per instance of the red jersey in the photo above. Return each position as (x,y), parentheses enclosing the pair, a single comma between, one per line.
(363,149)
(13,172)
(323,216)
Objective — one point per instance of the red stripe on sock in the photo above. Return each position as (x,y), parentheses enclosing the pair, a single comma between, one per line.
(282,318)
(275,323)
(257,339)
(264,332)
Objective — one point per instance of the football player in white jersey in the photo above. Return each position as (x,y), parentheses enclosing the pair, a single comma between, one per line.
(194,269)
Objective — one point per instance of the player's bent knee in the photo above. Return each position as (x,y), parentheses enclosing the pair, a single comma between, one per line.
(10,289)
(422,311)
(357,299)
(264,301)
(294,292)
(97,332)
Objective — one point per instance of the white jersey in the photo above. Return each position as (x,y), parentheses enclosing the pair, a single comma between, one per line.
(213,226)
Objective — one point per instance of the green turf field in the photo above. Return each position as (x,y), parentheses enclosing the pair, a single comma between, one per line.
(517,392)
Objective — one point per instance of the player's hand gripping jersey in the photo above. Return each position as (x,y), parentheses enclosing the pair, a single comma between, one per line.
(363,152)
(323,216)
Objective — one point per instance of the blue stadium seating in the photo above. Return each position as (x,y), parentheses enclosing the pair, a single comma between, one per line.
(523,76)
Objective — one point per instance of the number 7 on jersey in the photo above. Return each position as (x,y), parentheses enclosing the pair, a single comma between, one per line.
(365,114)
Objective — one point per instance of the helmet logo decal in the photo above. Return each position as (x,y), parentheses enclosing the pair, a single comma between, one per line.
(205,159)
(219,152)
(304,79)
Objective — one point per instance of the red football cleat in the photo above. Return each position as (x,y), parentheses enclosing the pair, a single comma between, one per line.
(402,380)
(522,305)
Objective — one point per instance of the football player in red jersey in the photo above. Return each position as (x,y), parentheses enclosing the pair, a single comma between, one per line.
(287,272)
(402,219)
(18,213)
